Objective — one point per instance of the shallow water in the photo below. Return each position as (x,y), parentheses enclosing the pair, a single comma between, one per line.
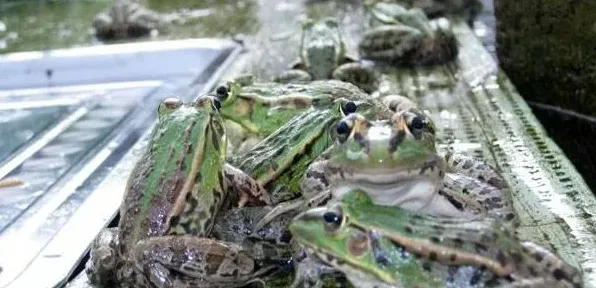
(40,25)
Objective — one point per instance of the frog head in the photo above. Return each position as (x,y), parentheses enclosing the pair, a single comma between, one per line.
(384,151)
(322,48)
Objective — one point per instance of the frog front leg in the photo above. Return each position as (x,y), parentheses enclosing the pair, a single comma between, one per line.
(103,260)
(475,168)
(470,194)
(248,188)
(190,261)
(315,192)
(366,78)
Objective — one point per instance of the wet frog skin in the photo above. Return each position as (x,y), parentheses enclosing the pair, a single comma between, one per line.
(258,109)
(405,37)
(125,19)
(323,56)
(382,246)
(395,161)
(172,197)
(279,161)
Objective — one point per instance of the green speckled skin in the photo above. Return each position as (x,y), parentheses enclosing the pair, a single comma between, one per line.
(279,161)
(187,148)
(395,247)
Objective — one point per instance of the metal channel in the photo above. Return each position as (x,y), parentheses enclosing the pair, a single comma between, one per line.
(74,171)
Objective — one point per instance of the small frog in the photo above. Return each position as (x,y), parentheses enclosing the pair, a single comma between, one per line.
(382,246)
(323,56)
(126,19)
(405,37)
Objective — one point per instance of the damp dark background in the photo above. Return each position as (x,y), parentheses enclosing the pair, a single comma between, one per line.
(558,91)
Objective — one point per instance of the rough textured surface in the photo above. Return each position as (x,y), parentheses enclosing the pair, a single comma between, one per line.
(547,48)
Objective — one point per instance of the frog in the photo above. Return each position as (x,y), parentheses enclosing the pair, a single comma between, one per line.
(173,195)
(385,246)
(126,19)
(396,161)
(253,110)
(406,37)
(279,161)
(323,56)
(465,9)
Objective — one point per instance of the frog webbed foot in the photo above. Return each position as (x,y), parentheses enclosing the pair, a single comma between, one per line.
(103,259)
(190,261)
(358,74)
(293,76)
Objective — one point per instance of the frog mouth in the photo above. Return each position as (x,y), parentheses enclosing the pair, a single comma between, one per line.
(381,176)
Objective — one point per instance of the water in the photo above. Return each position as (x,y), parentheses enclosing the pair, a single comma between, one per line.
(40,25)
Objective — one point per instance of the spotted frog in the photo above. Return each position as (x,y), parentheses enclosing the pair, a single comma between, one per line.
(382,246)
(254,110)
(172,198)
(323,56)
(395,161)
(125,19)
(406,37)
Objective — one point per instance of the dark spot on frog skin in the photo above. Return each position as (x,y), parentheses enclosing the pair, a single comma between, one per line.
(426,266)
(408,230)
(396,140)
(432,256)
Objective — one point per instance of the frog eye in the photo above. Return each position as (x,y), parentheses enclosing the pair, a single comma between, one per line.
(222,92)
(169,105)
(417,123)
(333,219)
(349,108)
(343,128)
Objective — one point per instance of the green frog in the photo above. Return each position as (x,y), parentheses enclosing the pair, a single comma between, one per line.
(396,162)
(126,19)
(382,246)
(254,110)
(173,195)
(323,56)
(406,37)
(279,161)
